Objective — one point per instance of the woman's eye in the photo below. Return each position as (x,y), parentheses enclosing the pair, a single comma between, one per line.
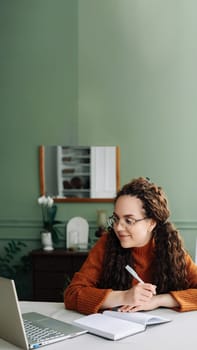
(116,220)
(129,221)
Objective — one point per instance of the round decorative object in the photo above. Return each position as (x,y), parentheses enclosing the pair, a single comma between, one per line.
(77,232)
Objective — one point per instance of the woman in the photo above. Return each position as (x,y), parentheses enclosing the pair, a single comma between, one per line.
(140,235)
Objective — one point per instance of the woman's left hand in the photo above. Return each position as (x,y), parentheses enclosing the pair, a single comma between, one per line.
(148,305)
(159,300)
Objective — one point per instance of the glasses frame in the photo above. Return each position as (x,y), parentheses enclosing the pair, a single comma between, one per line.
(111,221)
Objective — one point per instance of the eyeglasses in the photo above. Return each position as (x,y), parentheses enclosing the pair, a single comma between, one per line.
(127,221)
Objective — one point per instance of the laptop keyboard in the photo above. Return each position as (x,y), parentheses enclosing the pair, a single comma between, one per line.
(37,333)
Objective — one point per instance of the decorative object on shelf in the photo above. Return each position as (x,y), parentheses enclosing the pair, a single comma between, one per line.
(46,240)
(101,218)
(77,232)
(73,239)
(101,222)
(49,211)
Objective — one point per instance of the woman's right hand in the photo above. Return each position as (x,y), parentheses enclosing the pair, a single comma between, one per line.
(139,294)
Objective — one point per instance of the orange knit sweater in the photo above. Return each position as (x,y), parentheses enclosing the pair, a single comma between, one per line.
(83,296)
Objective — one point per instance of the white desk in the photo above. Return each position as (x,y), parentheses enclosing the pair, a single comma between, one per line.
(179,334)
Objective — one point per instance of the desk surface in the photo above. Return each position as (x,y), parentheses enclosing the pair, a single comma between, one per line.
(178,334)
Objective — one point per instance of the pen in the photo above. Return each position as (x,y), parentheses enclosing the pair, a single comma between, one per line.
(133,273)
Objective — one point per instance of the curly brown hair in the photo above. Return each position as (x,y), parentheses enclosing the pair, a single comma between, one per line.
(169,268)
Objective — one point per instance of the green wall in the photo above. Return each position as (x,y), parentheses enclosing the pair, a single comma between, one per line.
(38,90)
(137,88)
(100,72)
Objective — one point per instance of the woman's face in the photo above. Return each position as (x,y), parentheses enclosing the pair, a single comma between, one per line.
(131,226)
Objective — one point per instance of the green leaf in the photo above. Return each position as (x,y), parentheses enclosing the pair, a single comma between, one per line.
(52,211)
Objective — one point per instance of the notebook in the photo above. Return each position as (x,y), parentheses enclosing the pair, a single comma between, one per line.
(13,323)
(116,325)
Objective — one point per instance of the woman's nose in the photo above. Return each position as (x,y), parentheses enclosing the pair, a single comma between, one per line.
(120,225)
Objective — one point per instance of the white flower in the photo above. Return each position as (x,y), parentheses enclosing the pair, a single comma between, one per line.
(50,201)
(42,200)
(46,201)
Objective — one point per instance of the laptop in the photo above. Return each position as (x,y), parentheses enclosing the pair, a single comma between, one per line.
(18,328)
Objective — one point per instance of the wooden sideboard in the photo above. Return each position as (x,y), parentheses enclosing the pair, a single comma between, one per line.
(52,271)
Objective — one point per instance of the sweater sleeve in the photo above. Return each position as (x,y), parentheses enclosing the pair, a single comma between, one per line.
(82,294)
(187,299)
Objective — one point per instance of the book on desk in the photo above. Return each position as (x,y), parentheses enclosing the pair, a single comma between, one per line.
(116,325)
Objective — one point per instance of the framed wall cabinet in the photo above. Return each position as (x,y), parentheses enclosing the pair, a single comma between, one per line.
(80,173)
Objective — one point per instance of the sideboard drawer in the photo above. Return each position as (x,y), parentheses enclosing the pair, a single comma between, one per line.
(52,263)
(53,270)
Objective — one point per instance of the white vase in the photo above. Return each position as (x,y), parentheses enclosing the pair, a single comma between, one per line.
(46,240)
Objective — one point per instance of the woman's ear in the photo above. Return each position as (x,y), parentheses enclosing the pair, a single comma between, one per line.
(152,224)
